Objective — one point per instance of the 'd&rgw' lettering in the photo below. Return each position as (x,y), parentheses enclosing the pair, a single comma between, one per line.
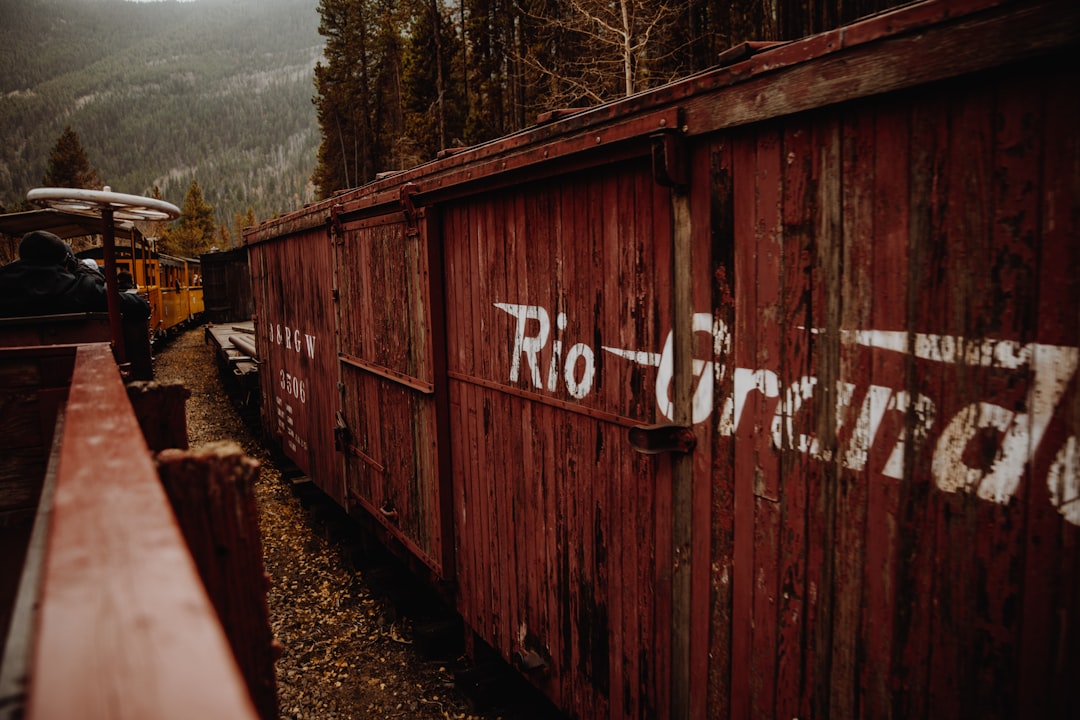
(291,339)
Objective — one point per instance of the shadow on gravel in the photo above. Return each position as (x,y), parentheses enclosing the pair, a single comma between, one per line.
(411,611)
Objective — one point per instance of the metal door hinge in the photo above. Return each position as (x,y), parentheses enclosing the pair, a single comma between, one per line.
(337,235)
(669,158)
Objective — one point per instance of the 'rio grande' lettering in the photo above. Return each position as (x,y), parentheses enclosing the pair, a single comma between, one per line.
(1048,371)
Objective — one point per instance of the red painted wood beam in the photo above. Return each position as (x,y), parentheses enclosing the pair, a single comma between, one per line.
(125,628)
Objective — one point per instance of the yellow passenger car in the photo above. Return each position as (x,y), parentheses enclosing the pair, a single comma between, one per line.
(172,285)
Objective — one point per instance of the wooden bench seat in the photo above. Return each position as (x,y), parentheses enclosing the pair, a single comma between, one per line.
(78,328)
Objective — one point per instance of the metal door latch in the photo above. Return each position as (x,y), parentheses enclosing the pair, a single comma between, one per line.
(655,439)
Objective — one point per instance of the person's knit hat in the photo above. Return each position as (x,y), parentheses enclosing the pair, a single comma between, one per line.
(43,248)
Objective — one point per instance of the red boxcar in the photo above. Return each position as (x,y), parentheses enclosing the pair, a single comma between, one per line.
(751,396)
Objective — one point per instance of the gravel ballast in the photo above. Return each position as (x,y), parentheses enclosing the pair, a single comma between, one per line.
(345,654)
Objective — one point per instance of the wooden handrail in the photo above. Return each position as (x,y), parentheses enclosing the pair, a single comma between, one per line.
(125,628)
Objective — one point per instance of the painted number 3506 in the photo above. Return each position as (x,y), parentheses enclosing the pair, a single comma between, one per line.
(294,386)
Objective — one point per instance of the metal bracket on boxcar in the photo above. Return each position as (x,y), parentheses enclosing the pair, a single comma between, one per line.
(336,234)
(342,436)
(408,206)
(558,114)
(745,50)
(389,511)
(530,661)
(447,152)
(656,439)
(669,158)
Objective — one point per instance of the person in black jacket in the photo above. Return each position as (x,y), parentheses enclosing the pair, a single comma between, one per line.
(48,279)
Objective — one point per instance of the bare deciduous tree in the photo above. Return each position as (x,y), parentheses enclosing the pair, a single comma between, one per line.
(601,49)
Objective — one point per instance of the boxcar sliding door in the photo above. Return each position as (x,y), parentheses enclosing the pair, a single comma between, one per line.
(559,321)
(388,427)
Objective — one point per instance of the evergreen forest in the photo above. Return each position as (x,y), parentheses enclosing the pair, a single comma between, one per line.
(268,104)
(402,80)
(163,94)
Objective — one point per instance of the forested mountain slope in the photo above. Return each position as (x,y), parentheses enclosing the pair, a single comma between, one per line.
(164,92)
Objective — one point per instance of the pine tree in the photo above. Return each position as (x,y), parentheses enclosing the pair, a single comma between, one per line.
(494,88)
(241,221)
(69,167)
(432,99)
(392,90)
(196,229)
(386,107)
(342,99)
(225,240)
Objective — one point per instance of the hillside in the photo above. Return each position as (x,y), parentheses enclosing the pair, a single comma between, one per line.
(163,92)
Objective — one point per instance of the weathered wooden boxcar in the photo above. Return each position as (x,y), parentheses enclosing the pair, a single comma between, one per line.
(751,396)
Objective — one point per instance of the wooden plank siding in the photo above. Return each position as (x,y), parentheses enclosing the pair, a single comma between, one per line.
(918,514)
(875,339)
